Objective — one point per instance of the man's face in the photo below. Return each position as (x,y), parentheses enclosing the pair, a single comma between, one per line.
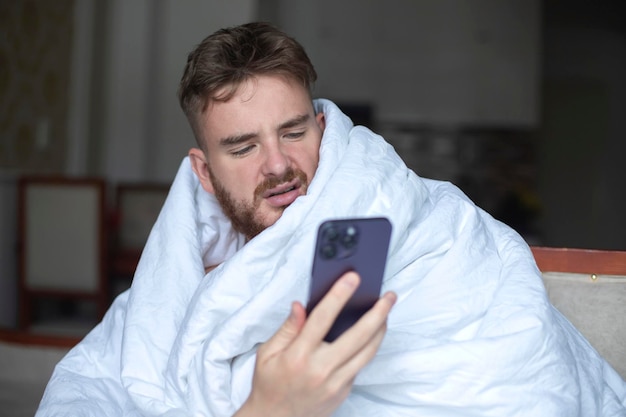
(262,150)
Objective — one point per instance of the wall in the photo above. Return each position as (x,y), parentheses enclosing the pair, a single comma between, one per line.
(35,52)
(442,62)
(582,144)
(144,133)
(8,250)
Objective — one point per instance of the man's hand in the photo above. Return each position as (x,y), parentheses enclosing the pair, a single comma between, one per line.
(298,374)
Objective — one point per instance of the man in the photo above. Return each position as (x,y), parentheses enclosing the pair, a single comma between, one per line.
(202,331)
(259,139)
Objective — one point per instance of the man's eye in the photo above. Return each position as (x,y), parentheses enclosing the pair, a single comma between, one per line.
(242,151)
(294,135)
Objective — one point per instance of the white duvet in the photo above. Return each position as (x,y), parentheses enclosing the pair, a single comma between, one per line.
(472,333)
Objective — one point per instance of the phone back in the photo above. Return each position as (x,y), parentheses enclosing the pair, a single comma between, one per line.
(359,244)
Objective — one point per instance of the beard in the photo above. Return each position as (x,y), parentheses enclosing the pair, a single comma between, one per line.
(244,215)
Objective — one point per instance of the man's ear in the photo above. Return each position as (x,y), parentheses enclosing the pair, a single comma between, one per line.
(200,166)
(321,121)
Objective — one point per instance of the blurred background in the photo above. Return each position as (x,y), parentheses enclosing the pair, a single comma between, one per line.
(521,103)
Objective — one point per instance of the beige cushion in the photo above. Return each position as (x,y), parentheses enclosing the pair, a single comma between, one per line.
(596,305)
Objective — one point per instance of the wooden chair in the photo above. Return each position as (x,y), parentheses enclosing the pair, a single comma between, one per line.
(137,206)
(62,244)
(589,288)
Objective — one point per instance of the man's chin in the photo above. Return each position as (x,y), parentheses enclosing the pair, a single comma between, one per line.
(269,217)
(252,225)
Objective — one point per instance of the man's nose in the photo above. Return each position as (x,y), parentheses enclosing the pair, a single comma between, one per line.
(276,160)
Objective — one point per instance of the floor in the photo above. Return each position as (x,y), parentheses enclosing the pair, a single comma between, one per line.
(24,372)
(28,357)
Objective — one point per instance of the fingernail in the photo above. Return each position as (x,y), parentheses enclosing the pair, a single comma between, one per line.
(351,280)
(292,313)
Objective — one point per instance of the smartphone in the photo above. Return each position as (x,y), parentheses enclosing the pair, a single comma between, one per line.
(342,245)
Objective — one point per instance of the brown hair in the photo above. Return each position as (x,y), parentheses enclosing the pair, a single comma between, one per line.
(224,60)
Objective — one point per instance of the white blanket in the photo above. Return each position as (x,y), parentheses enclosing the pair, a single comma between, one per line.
(472,333)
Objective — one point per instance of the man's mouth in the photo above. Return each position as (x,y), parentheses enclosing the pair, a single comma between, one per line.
(283,194)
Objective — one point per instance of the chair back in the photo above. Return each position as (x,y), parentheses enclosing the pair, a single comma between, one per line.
(62,242)
(589,288)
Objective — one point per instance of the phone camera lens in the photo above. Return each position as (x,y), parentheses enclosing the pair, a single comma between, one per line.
(328,251)
(331,234)
(349,239)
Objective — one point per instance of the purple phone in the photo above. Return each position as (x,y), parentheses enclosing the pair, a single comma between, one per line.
(358,244)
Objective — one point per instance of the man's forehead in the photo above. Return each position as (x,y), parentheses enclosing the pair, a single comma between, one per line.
(261,104)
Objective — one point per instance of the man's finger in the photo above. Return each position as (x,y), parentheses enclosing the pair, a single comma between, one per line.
(359,344)
(360,333)
(349,369)
(323,316)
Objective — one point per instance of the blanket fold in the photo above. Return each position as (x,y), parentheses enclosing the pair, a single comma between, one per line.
(472,332)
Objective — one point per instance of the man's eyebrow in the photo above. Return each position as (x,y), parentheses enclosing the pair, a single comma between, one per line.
(236,139)
(298,120)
